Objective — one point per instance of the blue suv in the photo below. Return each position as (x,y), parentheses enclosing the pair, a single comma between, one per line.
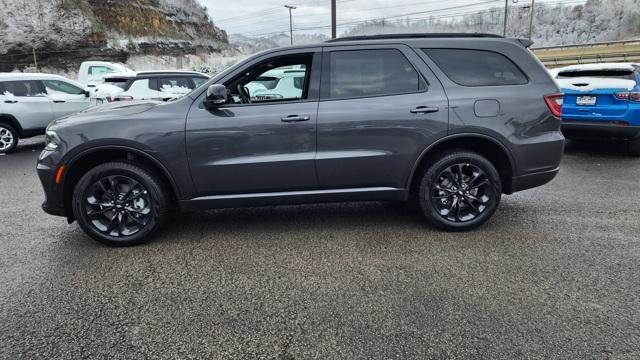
(602,101)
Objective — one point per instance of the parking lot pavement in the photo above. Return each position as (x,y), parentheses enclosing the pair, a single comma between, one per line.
(553,275)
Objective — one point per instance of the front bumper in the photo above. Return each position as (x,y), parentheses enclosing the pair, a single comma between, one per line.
(46,172)
(599,130)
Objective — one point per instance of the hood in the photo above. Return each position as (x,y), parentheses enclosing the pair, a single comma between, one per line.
(118,109)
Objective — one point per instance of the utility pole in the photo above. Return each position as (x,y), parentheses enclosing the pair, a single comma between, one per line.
(333,19)
(531,15)
(506,14)
(290,7)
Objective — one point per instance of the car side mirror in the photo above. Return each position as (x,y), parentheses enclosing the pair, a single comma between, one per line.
(216,96)
(87,93)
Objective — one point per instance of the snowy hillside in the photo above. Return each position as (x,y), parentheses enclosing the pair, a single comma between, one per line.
(554,24)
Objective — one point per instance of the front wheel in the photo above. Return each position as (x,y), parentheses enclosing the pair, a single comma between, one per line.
(8,138)
(460,191)
(119,204)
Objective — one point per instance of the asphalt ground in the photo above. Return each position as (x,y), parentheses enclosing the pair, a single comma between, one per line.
(554,274)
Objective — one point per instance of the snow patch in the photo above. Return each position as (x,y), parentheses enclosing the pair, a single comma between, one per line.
(600,66)
(585,84)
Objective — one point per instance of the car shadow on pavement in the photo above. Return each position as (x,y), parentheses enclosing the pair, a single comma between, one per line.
(610,148)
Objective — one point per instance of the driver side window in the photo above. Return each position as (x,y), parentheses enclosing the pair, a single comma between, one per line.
(275,80)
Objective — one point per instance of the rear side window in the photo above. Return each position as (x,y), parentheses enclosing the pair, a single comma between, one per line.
(606,74)
(23,88)
(477,67)
(172,84)
(365,73)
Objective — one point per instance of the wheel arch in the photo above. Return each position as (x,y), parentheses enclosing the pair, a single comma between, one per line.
(12,121)
(84,161)
(489,147)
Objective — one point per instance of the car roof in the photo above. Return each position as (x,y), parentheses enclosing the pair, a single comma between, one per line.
(153,73)
(31,76)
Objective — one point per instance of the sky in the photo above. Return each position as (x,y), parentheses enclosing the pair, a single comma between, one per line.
(265,17)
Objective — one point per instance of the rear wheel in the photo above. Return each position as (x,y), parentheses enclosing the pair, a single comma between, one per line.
(8,138)
(460,191)
(119,204)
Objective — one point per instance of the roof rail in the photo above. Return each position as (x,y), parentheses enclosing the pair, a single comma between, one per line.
(414,36)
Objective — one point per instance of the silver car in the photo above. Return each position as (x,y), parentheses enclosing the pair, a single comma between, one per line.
(29,102)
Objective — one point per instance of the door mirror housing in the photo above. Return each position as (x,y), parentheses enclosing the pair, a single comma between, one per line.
(87,93)
(216,96)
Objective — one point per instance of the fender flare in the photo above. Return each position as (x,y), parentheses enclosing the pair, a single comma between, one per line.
(431,146)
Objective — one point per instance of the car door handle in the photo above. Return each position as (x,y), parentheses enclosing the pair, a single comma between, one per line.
(11,101)
(424,109)
(295,118)
(59,101)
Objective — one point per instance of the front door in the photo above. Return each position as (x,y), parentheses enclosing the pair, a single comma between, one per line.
(66,98)
(263,139)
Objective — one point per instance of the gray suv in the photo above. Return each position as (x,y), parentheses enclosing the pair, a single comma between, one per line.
(452,121)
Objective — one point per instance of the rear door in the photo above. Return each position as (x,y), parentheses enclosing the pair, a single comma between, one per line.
(66,98)
(380,107)
(27,101)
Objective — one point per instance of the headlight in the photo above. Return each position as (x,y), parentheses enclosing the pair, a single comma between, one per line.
(52,141)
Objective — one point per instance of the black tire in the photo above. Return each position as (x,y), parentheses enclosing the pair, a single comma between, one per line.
(8,138)
(113,184)
(440,193)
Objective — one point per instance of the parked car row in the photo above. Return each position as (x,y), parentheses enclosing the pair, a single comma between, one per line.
(29,102)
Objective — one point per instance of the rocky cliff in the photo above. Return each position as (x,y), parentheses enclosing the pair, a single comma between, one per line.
(65,32)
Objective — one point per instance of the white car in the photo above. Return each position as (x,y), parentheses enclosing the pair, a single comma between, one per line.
(148,85)
(277,84)
(29,102)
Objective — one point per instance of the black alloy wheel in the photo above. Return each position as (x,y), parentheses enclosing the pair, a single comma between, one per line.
(460,191)
(119,203)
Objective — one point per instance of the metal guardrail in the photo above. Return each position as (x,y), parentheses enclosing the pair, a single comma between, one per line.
(614,51)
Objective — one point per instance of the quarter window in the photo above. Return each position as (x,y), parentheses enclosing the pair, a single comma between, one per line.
(365,73)
(477,67)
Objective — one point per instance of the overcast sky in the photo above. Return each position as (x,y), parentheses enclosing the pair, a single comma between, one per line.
(255,17)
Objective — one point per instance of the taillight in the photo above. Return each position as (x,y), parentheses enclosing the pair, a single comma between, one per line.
(554,102)
(628,95)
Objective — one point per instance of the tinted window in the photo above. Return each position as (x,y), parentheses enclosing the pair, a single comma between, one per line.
(61,87)
(477,67)
(22,88)
(120,82)
(199,81)
(357,73)
(607,74)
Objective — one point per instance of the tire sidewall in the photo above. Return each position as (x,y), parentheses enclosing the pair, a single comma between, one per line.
(431,175)
(158,202)
(15,138)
